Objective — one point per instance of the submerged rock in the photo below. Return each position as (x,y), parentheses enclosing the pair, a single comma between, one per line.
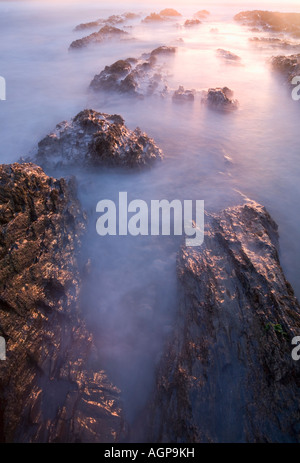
(52,387)
(182,96)
(96,139)
(227,374)
(220,99)
(110,21)
(227,55)
(105,33)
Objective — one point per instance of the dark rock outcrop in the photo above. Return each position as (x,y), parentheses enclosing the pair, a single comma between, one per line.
(228,55)
(271,21)
(96,139)
(182,96)
(220,99)
(105,33)
(52,388)
(287,66)
(227,374)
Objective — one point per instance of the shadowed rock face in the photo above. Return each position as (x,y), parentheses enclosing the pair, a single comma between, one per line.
(96,139)
(220,99)
(271,21)
(287,66)
(105,33)
(52,388)
(182,96)
(274,42)
(227,374)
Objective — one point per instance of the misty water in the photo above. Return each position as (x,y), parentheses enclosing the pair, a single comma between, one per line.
(129,298)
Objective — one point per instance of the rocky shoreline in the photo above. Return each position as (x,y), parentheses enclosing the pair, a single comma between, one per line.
(226,372)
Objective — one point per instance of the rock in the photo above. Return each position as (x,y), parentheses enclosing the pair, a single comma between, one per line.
(89,25)
(227,374)
(275,42)
(136,77)
(163,50)
(170,12)
(52,387)
(183,96)
(271,21)
(287,66)
(104,34)
(154,17)
(192,22)
(227,55)
(96,139)
(202,14)
(220,99)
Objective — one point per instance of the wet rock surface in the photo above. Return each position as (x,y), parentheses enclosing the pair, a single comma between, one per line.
(271,21)
(94,139)
(220,99)
(104,34)
(274,42)
(227,374)
(52,387)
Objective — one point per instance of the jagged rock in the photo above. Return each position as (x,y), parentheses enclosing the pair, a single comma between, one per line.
(170,12)
(225,54)
(52,388)
(202,14)
(192,22)
(287,66)
(220,99)
(105,33)
(96,139)
(271,21)
(183,96)
(137,77)
(227,374)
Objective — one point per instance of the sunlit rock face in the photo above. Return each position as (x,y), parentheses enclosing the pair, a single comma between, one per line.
(220,99)
(227,374)
(287,66)
(106,33)
(96,139)
(52,387)
(271,21)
